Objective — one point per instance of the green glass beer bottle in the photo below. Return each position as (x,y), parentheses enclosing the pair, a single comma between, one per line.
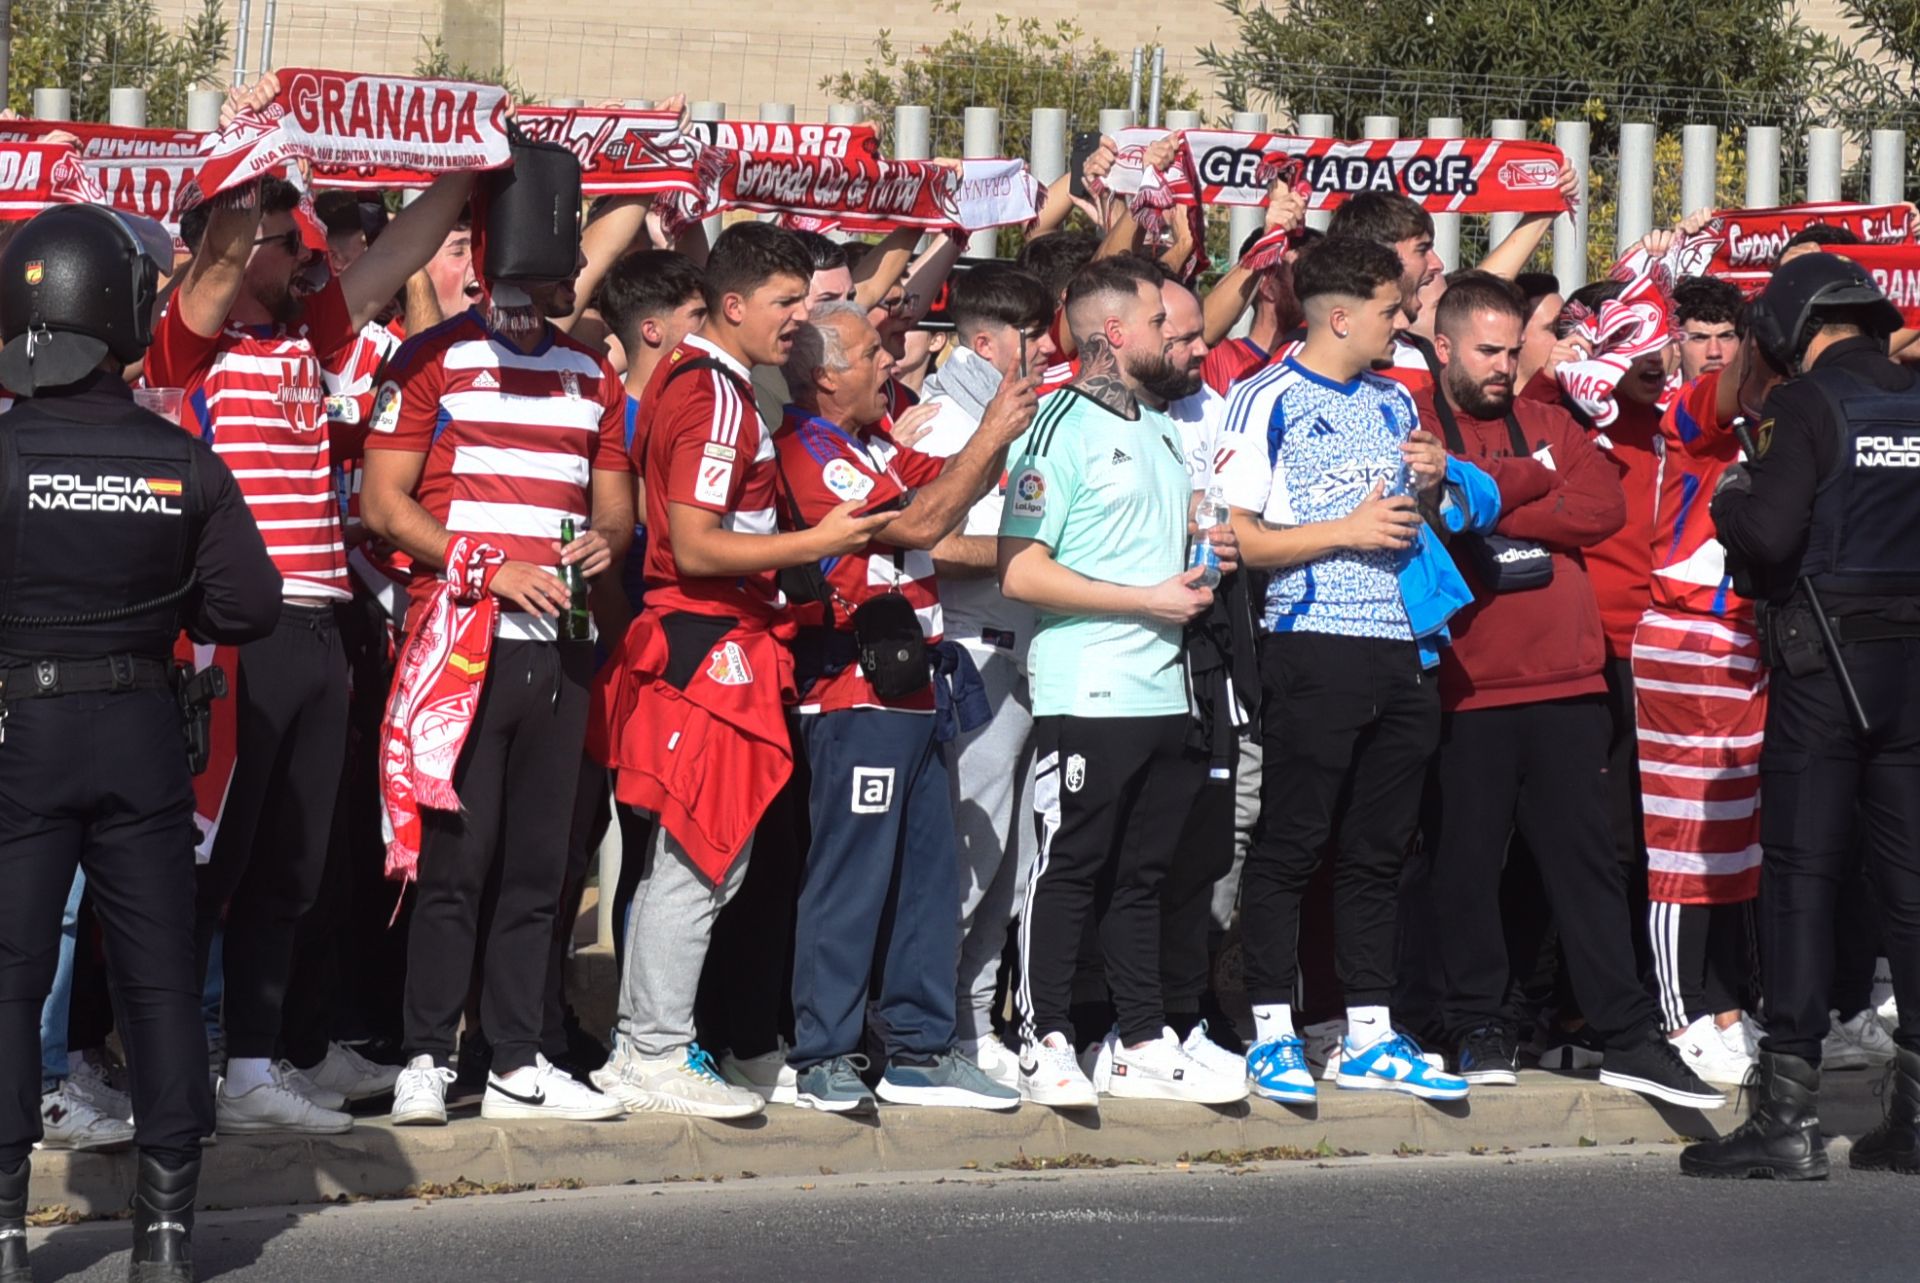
(575,623)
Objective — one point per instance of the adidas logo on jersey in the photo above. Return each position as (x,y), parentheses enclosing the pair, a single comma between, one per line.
(1121,456)
(485,381)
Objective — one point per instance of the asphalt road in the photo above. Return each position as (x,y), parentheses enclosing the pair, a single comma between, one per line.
(1563,1216)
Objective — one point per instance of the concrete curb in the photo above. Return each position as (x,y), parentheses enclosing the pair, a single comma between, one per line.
(380,1161)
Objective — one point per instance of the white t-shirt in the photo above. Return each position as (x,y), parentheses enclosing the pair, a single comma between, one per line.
(975,611)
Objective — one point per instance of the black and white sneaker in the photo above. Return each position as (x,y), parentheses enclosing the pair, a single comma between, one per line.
(1570,1050)
(1489,1056)
(545,1091)
(1653,1067)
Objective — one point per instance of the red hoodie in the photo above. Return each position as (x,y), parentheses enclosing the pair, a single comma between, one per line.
(1544,643)
(1622,566)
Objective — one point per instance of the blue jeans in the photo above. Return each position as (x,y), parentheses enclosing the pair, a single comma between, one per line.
(58,1006)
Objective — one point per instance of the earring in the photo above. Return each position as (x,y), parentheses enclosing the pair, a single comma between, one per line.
(1340,334)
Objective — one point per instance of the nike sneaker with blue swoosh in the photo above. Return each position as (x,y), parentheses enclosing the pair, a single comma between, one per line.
(1395,1063)
(1277,1068)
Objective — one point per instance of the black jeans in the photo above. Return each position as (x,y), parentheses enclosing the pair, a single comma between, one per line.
(1816,773)
(518,775)
(1540,769)
(1347,727)
(1204,856)
(100,781)
(271,850)
(1110,796)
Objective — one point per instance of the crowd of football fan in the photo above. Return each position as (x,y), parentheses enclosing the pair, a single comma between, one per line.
(978,705)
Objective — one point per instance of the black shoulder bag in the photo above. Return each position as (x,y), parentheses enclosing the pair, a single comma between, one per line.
(1502,563)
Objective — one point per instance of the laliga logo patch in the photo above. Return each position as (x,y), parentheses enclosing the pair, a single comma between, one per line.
(728,666)
(386,408)
(1076,772)
(1029,494)
(845,480)
(36,271)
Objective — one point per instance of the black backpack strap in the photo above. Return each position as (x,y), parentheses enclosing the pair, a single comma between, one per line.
(1515,437)
(1449,426)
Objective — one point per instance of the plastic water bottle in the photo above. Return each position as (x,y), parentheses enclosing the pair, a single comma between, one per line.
(1205,557)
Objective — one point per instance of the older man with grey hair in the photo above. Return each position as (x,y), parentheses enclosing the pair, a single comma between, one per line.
(880,880)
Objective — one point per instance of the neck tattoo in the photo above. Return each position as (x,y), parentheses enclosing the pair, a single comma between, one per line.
(1100,378)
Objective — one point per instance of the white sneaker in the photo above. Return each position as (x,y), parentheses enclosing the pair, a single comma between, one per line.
(420,1094)
(351,1075)
(69,1120)
(994,1060)
(1160,1070)
(1096,1062)
(683,1083)
(545,1092)
(293,1078)
(1212,1054)
(1859,1043)
(90,1081)
(275,1106)
(767,1076)
(1743,1036)
(1882,1000)
(1706,1050)
(1049,1075)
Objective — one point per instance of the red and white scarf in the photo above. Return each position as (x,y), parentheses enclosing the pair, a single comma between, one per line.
(342,121)
(1740,245)
(1635,324)
(1446,175)
(139,170)
(436,691)
(38,176)
(895,193)
(1896,270)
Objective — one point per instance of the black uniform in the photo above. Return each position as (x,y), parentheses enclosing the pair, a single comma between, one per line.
(103,506)
(1835,497)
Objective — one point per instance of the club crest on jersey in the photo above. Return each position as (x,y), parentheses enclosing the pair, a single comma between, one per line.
(728,666)
(570,384)
(386,408)
(845,480)
(1076,772)
(1029,494)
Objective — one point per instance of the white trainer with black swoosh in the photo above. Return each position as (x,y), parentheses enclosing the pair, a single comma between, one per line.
(543,1091)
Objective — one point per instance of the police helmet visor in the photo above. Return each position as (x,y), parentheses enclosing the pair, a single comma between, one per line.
(1811,289)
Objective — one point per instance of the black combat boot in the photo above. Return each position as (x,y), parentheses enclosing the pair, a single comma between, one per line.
(163,1222)
(13,1224)
(1894,1146)
(1781,1140)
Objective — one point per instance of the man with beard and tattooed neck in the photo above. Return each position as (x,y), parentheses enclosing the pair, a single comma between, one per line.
(1525,725)
(248,351)
(1094,535)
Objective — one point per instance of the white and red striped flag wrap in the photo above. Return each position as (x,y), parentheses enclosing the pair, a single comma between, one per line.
(38,176)
(1700,696)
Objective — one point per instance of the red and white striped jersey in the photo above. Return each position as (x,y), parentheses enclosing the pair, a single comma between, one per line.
(1689,565)
(352,375)
(512,440)
(827,466)
(255,393)
(699,442)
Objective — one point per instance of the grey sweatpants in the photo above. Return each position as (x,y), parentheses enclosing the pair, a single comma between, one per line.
(669,927)
(990,772)
(1246,814)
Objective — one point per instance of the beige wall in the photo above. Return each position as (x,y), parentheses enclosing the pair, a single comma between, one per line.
(741,52)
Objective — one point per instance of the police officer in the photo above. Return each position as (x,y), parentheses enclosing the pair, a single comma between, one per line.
(1826,518)
(117,529)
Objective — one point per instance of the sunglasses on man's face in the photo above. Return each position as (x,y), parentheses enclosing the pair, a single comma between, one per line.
(288,241)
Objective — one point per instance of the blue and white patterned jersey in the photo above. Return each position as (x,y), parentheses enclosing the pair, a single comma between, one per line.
(1299,448)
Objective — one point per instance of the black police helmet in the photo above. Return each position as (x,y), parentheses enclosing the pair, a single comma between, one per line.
(1810,291)
(77,282)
